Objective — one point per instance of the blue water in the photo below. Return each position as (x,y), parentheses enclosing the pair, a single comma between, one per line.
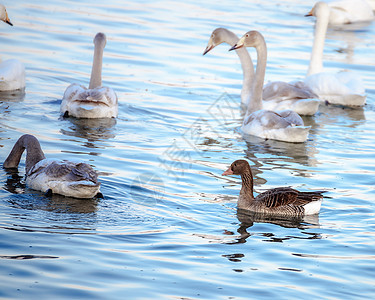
(168,227)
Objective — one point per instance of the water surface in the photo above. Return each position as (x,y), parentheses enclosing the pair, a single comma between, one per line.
(168,227)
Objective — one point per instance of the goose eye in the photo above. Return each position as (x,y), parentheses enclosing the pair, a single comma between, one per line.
(247,35)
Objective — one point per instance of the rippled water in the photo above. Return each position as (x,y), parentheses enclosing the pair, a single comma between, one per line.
(168,226)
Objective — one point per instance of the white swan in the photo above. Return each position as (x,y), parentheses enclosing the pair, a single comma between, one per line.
(66,178)
(97,101)
(12,75)
(349,11)
(12,71)
(344,88)
(4,15)
(284,125)
(277,95)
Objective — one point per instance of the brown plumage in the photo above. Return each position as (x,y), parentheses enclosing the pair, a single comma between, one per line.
(278,201)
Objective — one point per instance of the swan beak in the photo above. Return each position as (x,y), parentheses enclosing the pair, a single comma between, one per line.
(310,13)
(208,49)
(228,172)
(239,44)
(7,19)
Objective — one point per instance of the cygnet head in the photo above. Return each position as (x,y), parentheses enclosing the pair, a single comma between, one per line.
(216,38)
(4,15)
(100,39)
(320,9)
(249,39)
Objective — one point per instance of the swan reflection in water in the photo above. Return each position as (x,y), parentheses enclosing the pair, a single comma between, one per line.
(248,219)
(93,130)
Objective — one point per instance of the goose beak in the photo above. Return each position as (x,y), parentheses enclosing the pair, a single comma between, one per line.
(228,172)
(208,49)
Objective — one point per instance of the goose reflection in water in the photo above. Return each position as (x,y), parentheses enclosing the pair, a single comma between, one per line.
(248,219)
(93,130)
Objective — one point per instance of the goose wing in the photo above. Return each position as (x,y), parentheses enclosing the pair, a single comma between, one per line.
(280,197)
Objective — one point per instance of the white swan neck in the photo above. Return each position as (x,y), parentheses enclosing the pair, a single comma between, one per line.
(316,59)
(96,71)
(246,63)
(255,102)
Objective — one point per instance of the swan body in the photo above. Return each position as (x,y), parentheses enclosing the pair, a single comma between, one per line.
(349,11)
(72,179)
(12,75)
(282,201)
(277,95)
(344,88)
(4,15)
(97,101)
(284,125)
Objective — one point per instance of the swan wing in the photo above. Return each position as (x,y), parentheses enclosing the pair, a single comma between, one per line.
(284,90)
(12,75)
(349,11)
(345,88)
(80,102)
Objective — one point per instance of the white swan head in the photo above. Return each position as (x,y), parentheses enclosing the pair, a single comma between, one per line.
(217,37)
(319,10)
(249,39)
(4,15)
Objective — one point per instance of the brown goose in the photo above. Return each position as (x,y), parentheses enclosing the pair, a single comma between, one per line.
(64,177)
(278,201)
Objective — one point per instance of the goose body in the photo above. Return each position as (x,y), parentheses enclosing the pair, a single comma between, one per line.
(72,179)
(283,201)
(344,88)
(285,125)
(277,95)
(96,101)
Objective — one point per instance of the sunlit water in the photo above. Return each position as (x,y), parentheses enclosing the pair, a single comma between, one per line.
(168,225)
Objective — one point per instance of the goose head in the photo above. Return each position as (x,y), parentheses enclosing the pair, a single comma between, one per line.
(238,167)
(249,39)
(4,15)
(217,37)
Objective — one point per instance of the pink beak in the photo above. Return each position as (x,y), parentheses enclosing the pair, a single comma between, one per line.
(228,172)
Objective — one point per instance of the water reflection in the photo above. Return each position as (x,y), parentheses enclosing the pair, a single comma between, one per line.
(93,130)
(12,96)
(350,36)
(248,219)
(291,154)
(333,114)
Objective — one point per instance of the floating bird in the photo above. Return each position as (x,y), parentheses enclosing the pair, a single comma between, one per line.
(285,125)
(64,177)
(97,101)
(277,95)
(283,201)
(344,88)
